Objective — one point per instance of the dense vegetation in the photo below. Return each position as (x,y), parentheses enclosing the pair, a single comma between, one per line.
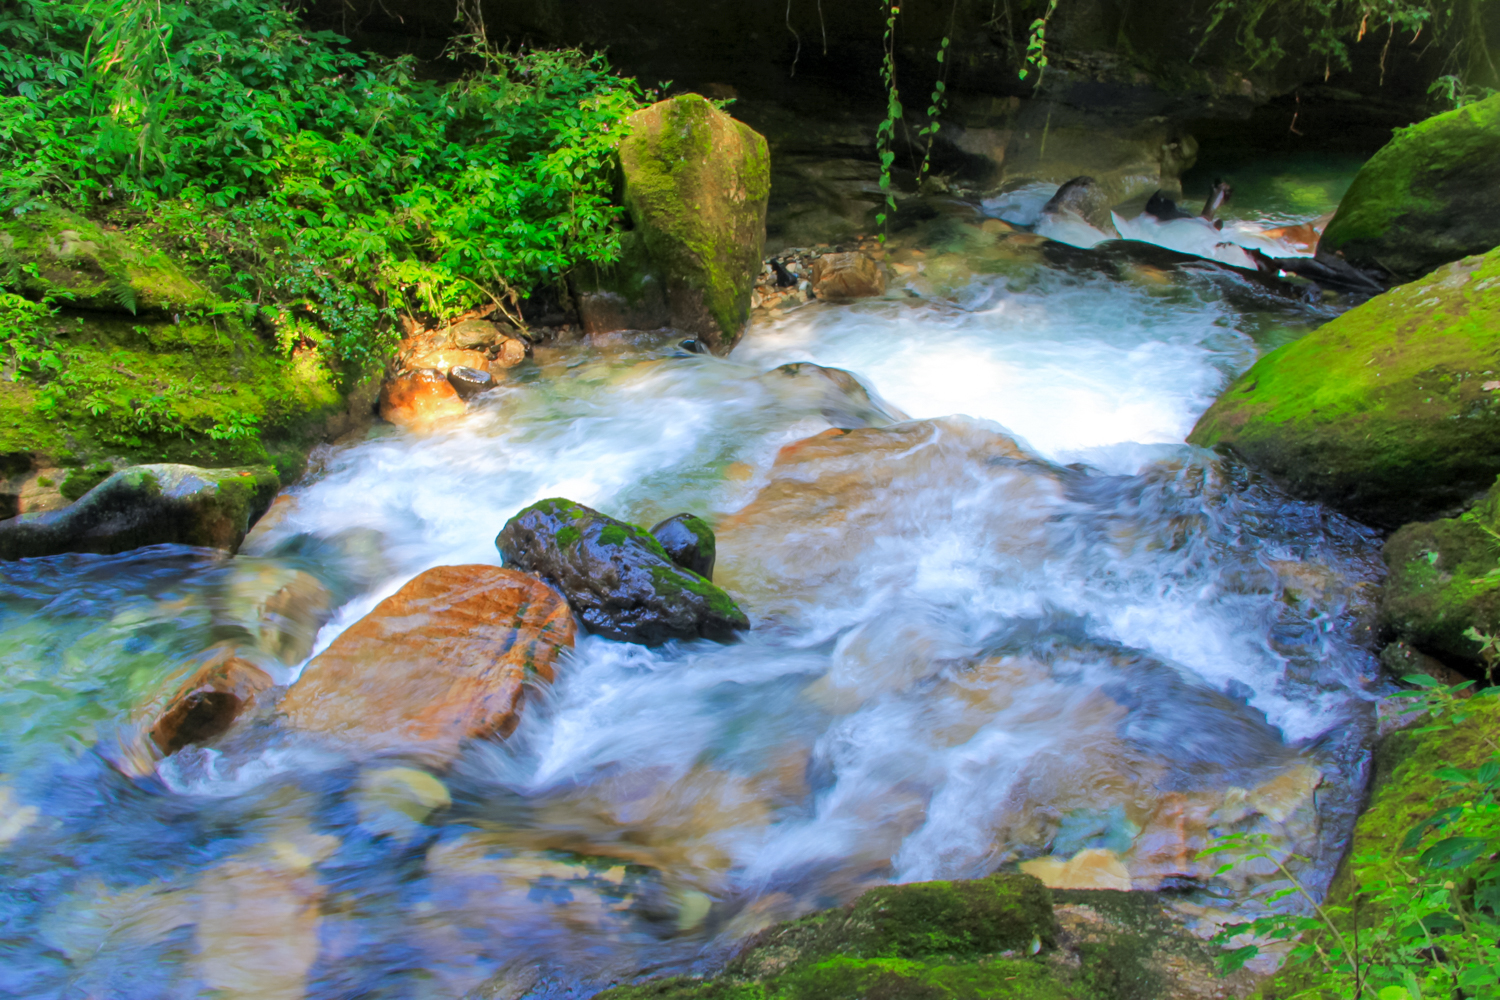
(328,187)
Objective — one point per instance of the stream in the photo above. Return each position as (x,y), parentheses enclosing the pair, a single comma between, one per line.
(1002,616)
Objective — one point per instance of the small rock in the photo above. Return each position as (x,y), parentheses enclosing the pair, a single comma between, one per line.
(416,400)
(470,382)
(219,692)
(689,541)
(616,576)
(508,354)
(440,661)
(841,276)
(148,505)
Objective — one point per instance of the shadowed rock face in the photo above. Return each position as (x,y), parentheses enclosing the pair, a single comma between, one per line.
(148,505)
(618,578)
(440,661)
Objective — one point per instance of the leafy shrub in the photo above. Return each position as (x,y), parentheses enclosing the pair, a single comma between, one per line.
(323,184)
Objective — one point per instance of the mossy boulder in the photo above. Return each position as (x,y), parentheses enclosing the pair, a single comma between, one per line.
(1005,937)
(1389,413)
(57,255)
(148,505)
(690,543)
(1429,196)
(696,187)
(617,578)
(1444,579)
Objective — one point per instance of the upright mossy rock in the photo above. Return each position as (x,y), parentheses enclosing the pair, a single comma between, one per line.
(1444,580)
(148,505)
(57,255)
(617,578)
(1391,412)
(696,186)
(1428,197)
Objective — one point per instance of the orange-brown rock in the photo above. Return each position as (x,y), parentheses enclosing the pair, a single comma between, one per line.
(840,276)
(417,399)
(450,357)
(440,661)
(508,353)
(220,691)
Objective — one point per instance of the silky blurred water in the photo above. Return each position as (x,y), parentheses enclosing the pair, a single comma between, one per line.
(982,657)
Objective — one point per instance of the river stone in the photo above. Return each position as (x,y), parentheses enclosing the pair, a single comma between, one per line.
(416,400)
(1391,412)
(148,505)
(1445,579)
(440,661)
(618,579)
(696,187)
(1428,197)
(222,689)
(844,276)
(689,542)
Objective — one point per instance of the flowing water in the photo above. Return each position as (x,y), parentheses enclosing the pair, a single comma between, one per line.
(1007,618)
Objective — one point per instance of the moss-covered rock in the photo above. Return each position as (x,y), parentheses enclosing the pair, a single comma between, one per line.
(690,543)
(1391,412)
(148,505)
(1430,196)
(1445,579)
(57,255)
(617,577)
(1005,937)
(696,186)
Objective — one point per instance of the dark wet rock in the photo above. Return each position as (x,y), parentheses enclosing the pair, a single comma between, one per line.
(79,481)
(1390,413)
(844,276)
(442,660)
(1427,198)
(689,541)
(1164,209)
(470,382)
(223,688)
(1002,936)
(148,505)
(1217,199)
(1444,580)
(618,579)
(1082,198)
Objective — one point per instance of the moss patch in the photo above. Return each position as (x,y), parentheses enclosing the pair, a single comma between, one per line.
(1428,197)
(696,186)
(1381,413)
(1445,579)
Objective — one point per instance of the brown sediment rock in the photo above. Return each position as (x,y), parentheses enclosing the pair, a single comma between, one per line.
(440,661)
(207,704)
(416,400)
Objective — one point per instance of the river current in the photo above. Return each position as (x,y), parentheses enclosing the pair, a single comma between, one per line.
(1009,618)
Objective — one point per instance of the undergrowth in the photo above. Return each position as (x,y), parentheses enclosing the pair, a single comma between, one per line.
(332,188)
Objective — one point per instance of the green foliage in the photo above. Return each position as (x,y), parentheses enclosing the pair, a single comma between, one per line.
(885,132)
(1431,912)
(1036,45)
(28,349)
(327,186)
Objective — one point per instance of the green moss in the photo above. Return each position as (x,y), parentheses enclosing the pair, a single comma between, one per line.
(1427,197)
(696,184)
(1381,412)
(80,481)
(1445,579)
(614,534)
(568,536)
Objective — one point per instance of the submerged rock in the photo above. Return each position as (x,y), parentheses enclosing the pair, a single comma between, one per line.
(440,661)
(224,688)
(689,541)
(148,505)
(1391,412)
(619,579)
(1427,198)
(696,186)
(838,395)
(1444,580)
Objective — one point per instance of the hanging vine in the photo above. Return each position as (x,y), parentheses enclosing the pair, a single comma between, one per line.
(885,135)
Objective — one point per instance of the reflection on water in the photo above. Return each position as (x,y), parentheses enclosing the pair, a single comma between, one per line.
(967,653)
